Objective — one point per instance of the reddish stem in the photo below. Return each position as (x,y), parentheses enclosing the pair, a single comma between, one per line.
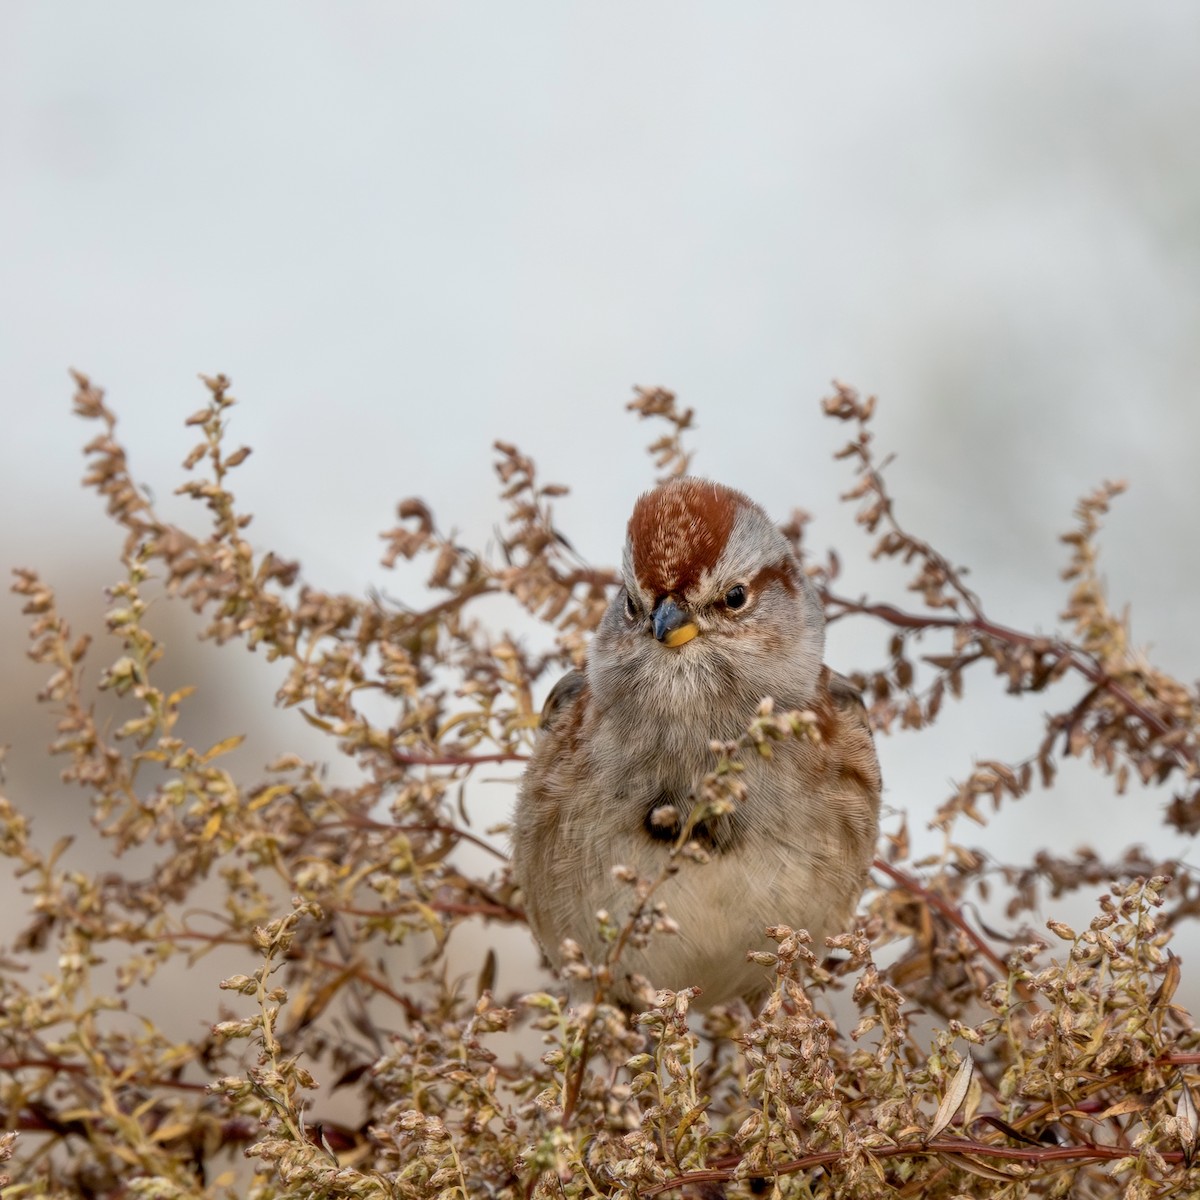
(984,627)
(453,760)
(1086,1152)
(947,910)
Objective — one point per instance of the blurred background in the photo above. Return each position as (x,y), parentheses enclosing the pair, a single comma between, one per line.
(407,229)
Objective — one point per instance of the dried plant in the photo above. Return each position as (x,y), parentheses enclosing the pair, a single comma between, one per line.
(971,1062)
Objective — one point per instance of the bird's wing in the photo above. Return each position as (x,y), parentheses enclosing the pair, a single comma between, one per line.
(845,695)
(851,733)
(562,696)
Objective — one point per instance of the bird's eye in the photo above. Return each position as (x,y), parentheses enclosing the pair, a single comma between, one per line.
(631,611)
(735,597)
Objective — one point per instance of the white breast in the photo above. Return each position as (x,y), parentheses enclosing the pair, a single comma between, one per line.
(721,908)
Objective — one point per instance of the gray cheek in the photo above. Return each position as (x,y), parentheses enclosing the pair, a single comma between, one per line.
(613,630)
(615,659)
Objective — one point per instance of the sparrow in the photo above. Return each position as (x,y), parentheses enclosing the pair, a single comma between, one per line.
(714,615)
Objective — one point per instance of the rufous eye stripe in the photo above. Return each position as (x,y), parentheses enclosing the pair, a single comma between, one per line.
(783,572)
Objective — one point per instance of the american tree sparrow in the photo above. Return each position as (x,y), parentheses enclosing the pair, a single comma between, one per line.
(715,613)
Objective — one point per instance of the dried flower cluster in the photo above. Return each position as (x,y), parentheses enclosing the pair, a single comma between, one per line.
(1050,1062)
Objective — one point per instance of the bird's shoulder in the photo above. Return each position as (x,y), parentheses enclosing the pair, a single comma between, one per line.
(566,700)
(844,696)
(845,728)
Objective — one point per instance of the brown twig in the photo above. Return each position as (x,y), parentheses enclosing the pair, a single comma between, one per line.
(1038,1155)
(59,1067)
(947,910)
(1072,656)
(453,760)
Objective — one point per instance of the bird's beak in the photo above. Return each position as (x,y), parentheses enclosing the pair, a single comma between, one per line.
(673,626)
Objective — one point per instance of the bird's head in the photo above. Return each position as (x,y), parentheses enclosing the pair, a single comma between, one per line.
(714,606)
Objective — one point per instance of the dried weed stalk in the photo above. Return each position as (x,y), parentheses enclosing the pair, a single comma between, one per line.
(974,1066)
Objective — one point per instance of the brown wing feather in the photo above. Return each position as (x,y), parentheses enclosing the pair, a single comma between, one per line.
(561,697)
(847,698)
(851,733)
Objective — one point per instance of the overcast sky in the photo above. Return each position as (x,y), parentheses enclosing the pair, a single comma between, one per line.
(408,229)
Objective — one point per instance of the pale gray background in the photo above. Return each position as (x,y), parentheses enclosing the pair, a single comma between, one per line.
(407,229)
